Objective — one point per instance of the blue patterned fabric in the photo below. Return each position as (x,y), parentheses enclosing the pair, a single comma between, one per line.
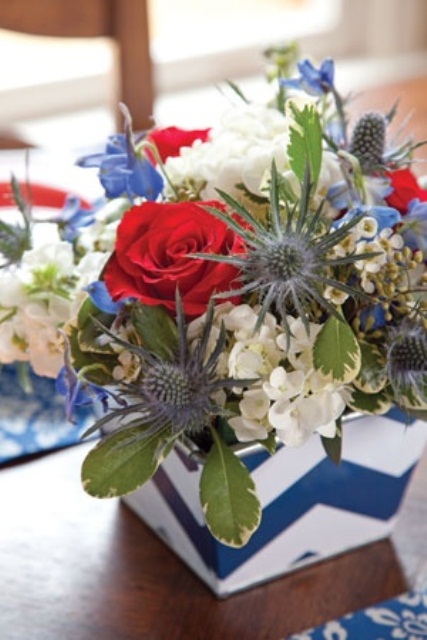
(404,617)
(34,422)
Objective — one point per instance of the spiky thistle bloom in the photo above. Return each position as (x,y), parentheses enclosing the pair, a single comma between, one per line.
(179,392)
(288,264)
(368,141)
(407,363)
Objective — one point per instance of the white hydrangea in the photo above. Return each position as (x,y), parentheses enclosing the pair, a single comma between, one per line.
(289,396)
(240,150)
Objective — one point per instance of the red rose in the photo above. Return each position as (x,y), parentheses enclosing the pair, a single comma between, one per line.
(151,260)
(405,188)
(170,140)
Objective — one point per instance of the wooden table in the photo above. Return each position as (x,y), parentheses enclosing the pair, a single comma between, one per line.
(72,567)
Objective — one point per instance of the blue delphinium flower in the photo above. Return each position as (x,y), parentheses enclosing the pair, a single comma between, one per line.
(100,297)
(77,391)
(315,82)
(385,217)
(72,217)
(414,226)
(123,170)
(341,195)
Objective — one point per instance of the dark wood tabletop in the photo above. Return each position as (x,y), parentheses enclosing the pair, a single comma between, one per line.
(73,567)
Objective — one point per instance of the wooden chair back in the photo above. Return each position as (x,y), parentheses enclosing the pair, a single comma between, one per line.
(124,21)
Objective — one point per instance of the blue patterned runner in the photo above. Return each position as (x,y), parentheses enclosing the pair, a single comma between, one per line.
(34,422)
(404,617)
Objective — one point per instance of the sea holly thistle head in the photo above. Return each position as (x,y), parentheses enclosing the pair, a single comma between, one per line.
(368,141)
(289,263)
(371,145)
(407,364)
(176,388)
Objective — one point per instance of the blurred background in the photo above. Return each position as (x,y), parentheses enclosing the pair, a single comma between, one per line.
(60,92)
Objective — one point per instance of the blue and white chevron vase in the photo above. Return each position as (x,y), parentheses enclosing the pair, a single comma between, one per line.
(312,508)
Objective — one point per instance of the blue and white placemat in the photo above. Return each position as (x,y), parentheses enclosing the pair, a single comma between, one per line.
(35,422)
(401,618)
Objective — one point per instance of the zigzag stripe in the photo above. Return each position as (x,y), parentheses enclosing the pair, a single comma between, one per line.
(347,486)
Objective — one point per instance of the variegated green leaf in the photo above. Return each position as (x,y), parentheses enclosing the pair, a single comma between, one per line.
(372,403)
(305,142)
(336,352)
(372,376)
(123,461)
(227,493)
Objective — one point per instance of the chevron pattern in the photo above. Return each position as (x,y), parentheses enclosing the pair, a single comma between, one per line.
(312,509)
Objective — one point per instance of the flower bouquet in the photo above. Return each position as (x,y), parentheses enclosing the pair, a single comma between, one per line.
(267,281)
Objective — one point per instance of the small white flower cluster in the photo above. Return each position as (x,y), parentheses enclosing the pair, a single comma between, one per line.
(39,296)
(288,395)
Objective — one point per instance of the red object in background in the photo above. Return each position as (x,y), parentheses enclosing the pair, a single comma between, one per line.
(405,188)
(37,195)
(170,140)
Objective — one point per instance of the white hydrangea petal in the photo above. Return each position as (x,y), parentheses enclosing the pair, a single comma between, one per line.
(254,405)
(247,430)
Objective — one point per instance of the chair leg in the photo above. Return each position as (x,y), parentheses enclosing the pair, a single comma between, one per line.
(135,69)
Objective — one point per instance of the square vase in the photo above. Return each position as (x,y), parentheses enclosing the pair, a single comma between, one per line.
(312,509)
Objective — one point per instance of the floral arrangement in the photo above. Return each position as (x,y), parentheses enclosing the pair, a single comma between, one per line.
(260,280)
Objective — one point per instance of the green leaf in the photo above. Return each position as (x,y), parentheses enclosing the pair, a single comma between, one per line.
(227,493)
(371,403)
(157,330)
(305,142)
(98,367)
(336,351)
(123,461)
(269,443)
(372,376)
(89,332)
(333,446)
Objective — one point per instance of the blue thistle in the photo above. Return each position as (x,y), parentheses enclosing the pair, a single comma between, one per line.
(178,392)
(368,141)
(407,362)
(287,263)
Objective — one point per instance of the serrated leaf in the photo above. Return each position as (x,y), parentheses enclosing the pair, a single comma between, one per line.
(305,142)
(157,330)
(336,352)
(372,376)
(371,403)
(227,494)
(122,462)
